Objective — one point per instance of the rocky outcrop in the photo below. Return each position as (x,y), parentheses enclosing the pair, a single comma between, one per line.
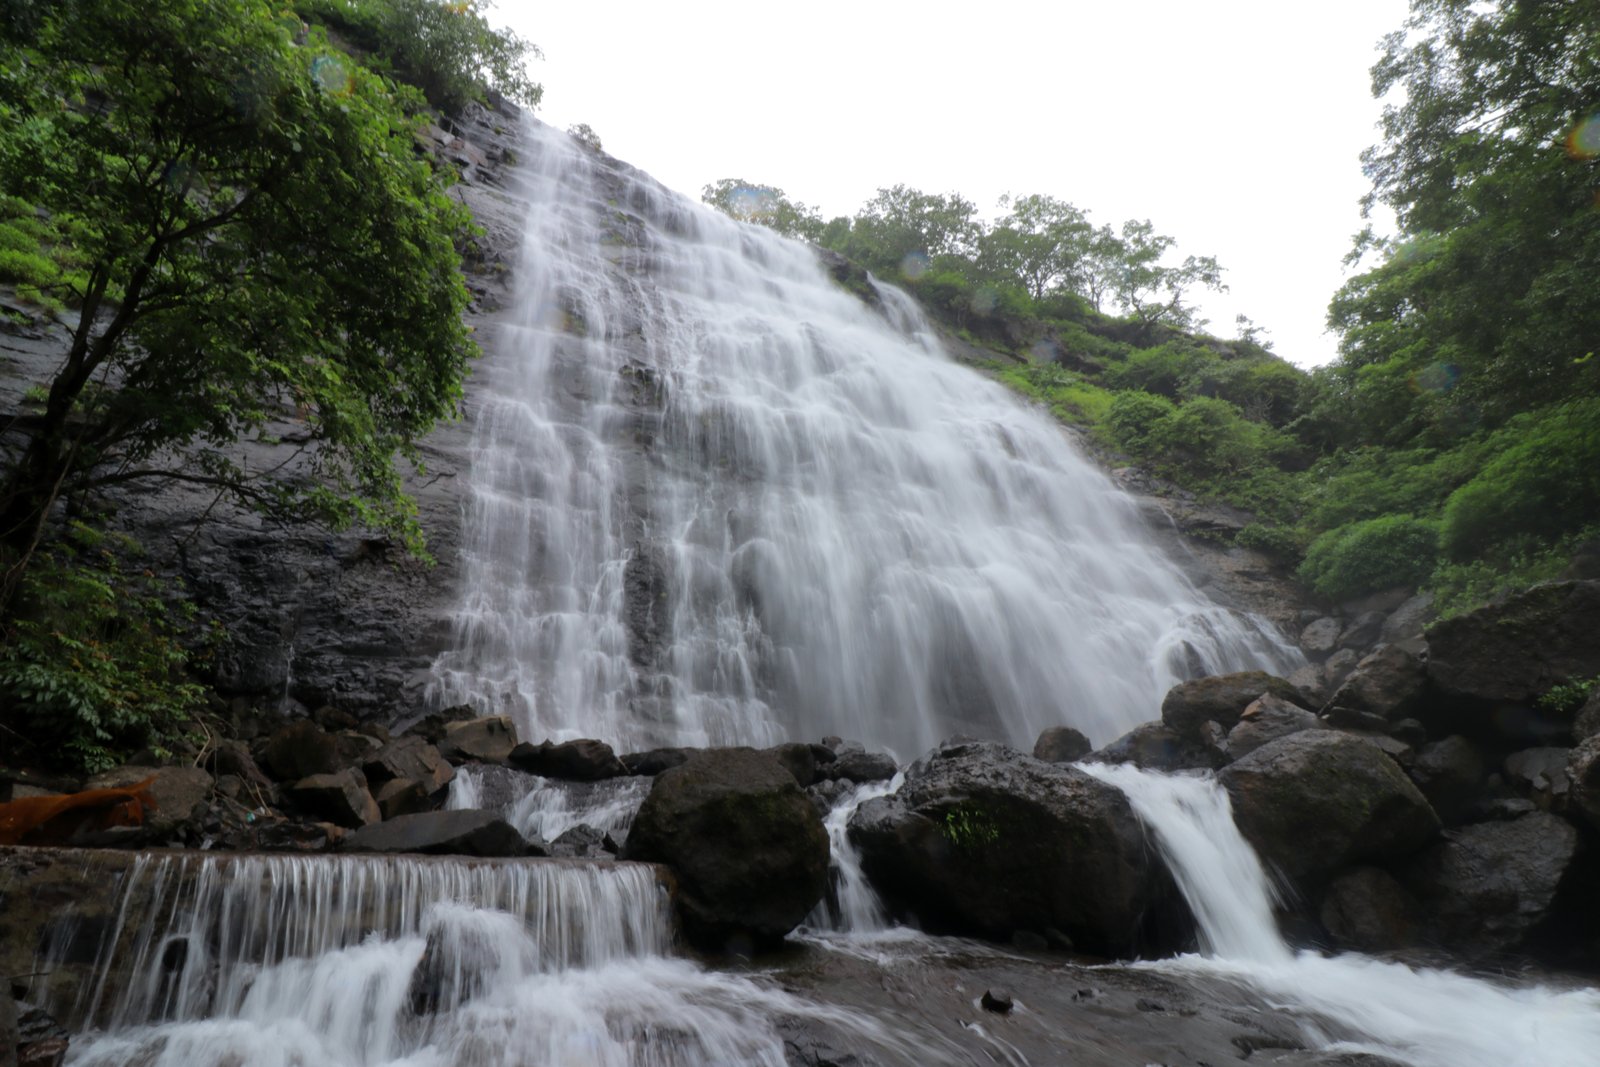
(1220,699)
(575,761)
(1155,747)
(1391,682)
(747,846)
(1318,801)
(982,839)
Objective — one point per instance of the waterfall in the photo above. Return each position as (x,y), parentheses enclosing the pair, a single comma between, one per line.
(718,499)
(548,807)
(851,905)
(1421,1016)
(408,962)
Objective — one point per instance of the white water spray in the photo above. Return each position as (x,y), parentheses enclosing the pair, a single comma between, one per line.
(1425,1017)
(716,498)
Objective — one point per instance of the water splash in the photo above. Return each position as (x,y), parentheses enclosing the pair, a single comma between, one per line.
(1421,1016)
(718,499)
(851,906)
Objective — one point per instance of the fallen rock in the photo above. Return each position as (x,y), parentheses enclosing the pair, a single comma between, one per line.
(1405,624)
(584,841)
(468,832)
(747,846)
(1061,744)
(405,796)
(181,793)
(1267,719)
(485,740)
(1390,682)
(298,750)
(1362,631)
(982,839)
(1540,774)
(412,758)
(340,798)
(1367,909)
(1450,772)
(575,761)
(1337,667)
(1487,887)
(1220,699)
(1156,748)
(1321,636)
(1320,800)
(431,727)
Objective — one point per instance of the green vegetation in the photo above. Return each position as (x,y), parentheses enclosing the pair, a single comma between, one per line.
(970,827)
(1455,442)
(242,217)
(1567,699)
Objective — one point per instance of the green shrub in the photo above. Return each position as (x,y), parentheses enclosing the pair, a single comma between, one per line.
(1367,556)
(1279,542)
(1543,483)
(1135,418)
(91,667)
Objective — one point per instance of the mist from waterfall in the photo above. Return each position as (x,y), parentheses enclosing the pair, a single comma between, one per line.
(717,498)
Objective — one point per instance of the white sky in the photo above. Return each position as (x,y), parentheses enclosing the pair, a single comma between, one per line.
(1234,125)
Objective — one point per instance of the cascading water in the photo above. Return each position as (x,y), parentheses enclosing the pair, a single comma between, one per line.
(547,808)
(283,961)
(1424,1017)
(716,498)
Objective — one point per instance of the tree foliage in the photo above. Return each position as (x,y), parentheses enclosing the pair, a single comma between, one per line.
(766,205)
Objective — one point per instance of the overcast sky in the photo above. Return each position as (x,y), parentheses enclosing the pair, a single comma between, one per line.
(1233,125)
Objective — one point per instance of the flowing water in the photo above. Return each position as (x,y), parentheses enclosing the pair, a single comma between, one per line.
(547,807)
(717,498)
(1421,1016)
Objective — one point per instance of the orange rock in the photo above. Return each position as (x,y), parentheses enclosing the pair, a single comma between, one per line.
(56,820)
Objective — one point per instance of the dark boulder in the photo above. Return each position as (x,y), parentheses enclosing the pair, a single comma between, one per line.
(411,758)
(1367,909)
(230,756)
(1156,748)
(747,846)
(1221,699)
(1450,772)
(431,726)
(584,841)
(442,833)
(1061,744)
(1540,774)
(1267,719)
(1321,636)
(655,760)
(1320,800)
(485,740)
(1498,660)
(1583,768)
(574,761)
(406,796)
(982,839)
(340,798)
(1362,631)
(298,750)
(860,766)
(1390,682)
(1487,887)
(800,759)
(181,793)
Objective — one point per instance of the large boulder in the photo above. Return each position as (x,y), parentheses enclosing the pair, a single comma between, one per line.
(1061,744)
(1155,747)
(1369,910)
(748,848)
(409,758)
(1499,659)
(299,749)
(656,760)
(1450,772)
(1321,800)
(340,798)
(1221,699)
(1266,720)
(1487,887)
(467,832)
(485,740)
(1390,682)
(983,839)
(856,765)
(1583,768)
(181,793)
(576,761)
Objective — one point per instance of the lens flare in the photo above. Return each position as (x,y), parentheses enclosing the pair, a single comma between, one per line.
(330,75)
(914,265)
(1584,140)
(750,204)
(1436,378)
(1044,351)
(985,299)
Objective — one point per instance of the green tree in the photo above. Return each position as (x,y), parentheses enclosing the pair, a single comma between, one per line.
(902,227)
(260,239)
(1039,244)
(764,204)
(1152,292)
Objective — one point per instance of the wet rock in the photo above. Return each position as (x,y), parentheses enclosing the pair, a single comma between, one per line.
(800,759)
(1221,699)
(1450,773)
(442,833)
(985,840)
(645,592)
(826,794)
(431,727)
(1321,636)
(485,740)
(575,761)
(409,758)
(1401,752)
(1587,724)
(1362,631)
(1156,748)
(1510,653)
(298,750)
(997,1000)
(232,757)
(584,841)
(406,796)
(1389,682)
(41,1041)
(180,793)
(747,846)
(1583,769)
(1308,679)
(340,798)
(857,766)
(655,761)
(1061,744)
(1406,622)
(1319,800)
(1488,886)
(1540,774)
(1338,667)
(1267,719)
(1367,909)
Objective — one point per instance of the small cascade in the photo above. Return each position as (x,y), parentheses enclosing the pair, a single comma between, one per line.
(716,498)
(405,962)
(546,808)
(851,906)
(1420,1016)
